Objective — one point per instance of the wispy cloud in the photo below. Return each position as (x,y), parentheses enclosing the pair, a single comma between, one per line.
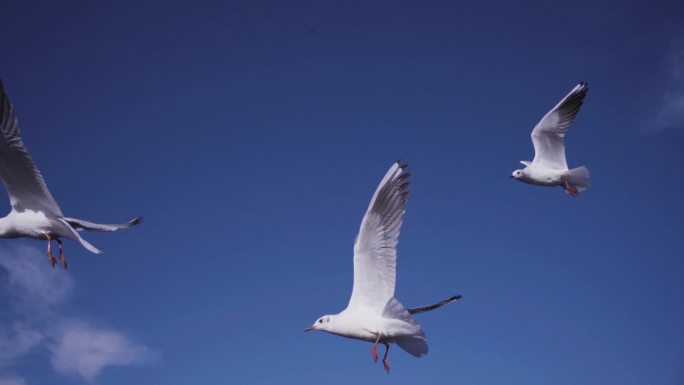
(31,285)
(36,295)
(671,113)
(16,339)
(84,349)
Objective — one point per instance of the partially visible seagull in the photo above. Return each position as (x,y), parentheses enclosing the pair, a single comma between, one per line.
(373,314)
(549,167)
(35,214)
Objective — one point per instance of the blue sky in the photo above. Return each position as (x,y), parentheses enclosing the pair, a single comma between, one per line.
(252,134)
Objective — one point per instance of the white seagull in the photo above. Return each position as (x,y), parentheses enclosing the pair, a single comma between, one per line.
(35,214)
(549,167)
(373,314)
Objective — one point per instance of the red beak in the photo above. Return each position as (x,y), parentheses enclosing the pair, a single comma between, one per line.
(310,328)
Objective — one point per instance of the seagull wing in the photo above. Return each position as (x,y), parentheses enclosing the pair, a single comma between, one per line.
(375,254)
(548,135)
(422,309)
(24,183)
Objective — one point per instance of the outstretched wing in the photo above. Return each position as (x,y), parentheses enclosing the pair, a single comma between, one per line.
(548,135)
(23,181)
(375,254)
(434,306)
(81,224)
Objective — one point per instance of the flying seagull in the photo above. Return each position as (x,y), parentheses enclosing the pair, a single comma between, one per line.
(35,214)
(373,314)
(549,167)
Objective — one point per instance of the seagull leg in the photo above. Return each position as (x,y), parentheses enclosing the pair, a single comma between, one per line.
(62,258)
(385,361)
(569,189)
(374,349)
(51,257)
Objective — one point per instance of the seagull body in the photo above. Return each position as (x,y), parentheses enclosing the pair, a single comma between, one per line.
(549,167)
(373,314)
(35,213)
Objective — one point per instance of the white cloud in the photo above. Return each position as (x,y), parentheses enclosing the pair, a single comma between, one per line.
(671,113)
(83,349)
(17,340)
(33,286)
(35,319)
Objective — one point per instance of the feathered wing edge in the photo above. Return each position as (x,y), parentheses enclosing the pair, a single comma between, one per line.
(81,224)
(25,184)
(566,110)
(422,309)
(375,245)
(77,237)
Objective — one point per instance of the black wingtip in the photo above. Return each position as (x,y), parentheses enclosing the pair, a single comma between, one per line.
(136,221)
(438,305)
(401,164)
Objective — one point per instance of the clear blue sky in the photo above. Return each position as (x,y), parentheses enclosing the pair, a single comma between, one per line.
(252,134)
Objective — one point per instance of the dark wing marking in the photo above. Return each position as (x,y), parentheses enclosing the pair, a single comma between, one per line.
(423,309)
(23,181)
(548,135)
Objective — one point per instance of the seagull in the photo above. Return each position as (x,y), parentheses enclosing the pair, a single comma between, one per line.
(373,314)
(549,167)
(35,213)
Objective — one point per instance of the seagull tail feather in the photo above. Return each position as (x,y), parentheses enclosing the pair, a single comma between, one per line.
(580,178)
(414,345)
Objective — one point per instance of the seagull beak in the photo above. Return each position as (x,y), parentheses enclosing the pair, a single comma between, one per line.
(310,328)
(511,176)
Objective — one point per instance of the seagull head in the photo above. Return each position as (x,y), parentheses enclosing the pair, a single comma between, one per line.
(517,174)
(322,323)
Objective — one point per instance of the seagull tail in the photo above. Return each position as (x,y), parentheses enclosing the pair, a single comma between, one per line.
(77,237)
(415,343)
(580,178)
(80,224)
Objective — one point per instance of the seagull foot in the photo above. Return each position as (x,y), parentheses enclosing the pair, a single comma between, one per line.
(52,259)
(62,258)
(385,361)
(374,349)
(569,189)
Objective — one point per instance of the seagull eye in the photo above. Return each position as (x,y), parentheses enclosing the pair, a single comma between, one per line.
(320,321)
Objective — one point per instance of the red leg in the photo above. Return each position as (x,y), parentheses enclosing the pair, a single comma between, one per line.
(374,349)
(62,258)
(569,189)
(51,257)
(385,361)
